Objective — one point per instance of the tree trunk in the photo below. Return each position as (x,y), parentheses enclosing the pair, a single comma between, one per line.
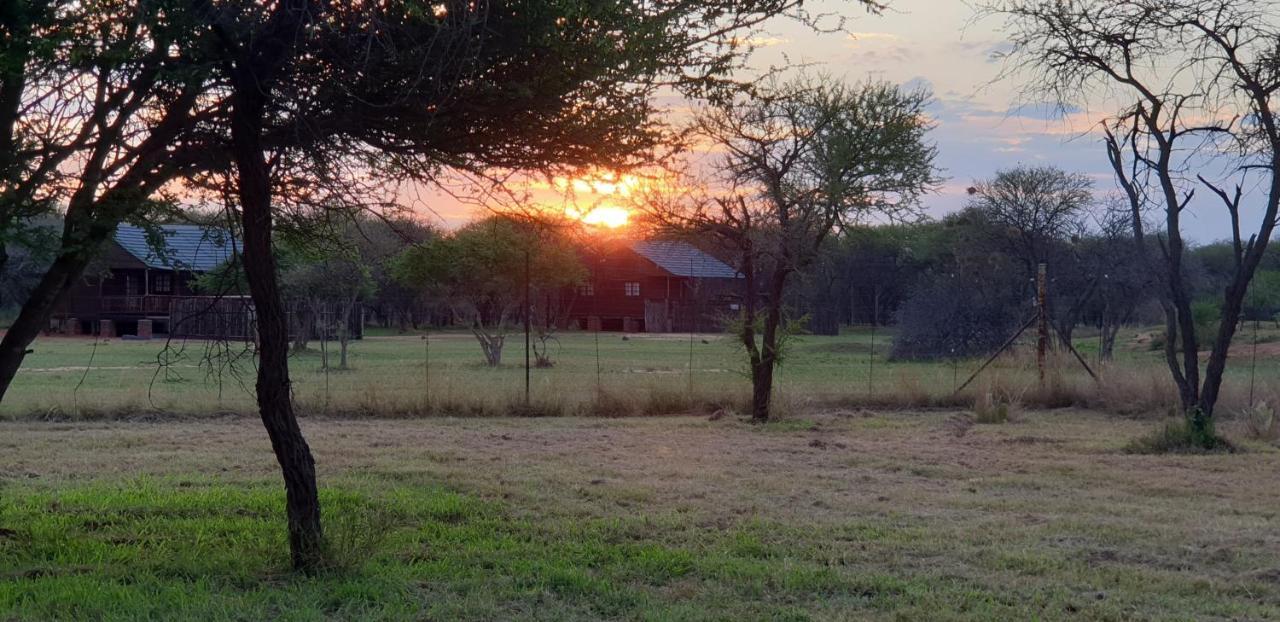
(492,347)
(303,322)
(275,404)
(35,313)
(763,365)
(344,334)
(761,389)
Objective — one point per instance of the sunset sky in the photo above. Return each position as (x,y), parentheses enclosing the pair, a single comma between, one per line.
(982,123)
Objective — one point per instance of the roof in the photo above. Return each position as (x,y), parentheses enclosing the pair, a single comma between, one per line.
(186,247)
(684,259)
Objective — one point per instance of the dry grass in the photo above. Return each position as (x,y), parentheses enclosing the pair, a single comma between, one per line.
(644,375)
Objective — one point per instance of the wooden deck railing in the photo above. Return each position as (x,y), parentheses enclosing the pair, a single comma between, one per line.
(122,305)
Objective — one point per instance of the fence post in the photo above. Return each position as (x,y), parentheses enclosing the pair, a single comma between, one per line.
(527,309)
(1042,341)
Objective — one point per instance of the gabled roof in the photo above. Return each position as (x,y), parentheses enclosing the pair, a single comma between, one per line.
(684,259)
(186,247)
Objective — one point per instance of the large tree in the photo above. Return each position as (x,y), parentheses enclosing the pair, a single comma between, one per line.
(1196,81)
(800,160)
(323,94)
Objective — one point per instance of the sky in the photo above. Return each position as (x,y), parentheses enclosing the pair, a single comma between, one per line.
(983,123)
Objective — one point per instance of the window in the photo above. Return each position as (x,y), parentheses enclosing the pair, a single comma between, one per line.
(587,289)
(162,283)
(632,288)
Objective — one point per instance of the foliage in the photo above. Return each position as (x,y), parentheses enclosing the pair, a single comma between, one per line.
(480,269)
(1033,209)
(956,316)
(1207,314)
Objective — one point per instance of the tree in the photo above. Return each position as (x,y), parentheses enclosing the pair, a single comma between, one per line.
(1201,76)
(1035,207)
(972,293)
(481,269)
(1120,280)
(98,102)
(323,282)
(299,102)
(800,160)
(1034,213)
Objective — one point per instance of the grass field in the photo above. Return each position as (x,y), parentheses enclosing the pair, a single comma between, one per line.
(635,374)
(845,515)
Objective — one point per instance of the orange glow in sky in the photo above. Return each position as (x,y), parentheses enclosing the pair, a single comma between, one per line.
(588,198)
(610,216)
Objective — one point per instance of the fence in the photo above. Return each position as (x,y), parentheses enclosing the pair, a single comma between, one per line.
(234,318)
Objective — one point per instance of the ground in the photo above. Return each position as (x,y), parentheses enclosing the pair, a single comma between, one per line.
(834,515)
(136,485)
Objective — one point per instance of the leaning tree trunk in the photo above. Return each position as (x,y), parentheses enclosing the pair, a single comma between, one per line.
(36,311)
(275,404)
(491,345)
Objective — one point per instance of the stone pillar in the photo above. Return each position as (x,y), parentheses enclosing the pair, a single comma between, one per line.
(144,329)
(71,326)
(106,329)
(593,323)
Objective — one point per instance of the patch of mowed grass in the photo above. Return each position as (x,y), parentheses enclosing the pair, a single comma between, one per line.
(167,548)
(180,547)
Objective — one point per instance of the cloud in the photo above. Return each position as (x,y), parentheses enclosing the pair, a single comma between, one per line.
(1043,111)
(859,37)
(918,83)
(767,42)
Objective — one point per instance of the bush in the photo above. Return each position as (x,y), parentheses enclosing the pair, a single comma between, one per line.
(1206,314)
(1181,436)
(990,409)
(1260,422)
(956,317)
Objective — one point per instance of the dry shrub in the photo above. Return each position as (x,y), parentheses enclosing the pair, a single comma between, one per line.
(609,403)
(909,391)
(1058,391)
(666,400)
(1134,391)
(1260,422)
(999,403)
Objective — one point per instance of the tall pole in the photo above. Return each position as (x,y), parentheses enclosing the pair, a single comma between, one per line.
(871,358)
(527,308)
(596,332)
(693,323)
(1042,297)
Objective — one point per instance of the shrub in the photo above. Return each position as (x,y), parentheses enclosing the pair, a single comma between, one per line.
(1260,422)
(993,409)
(956,317)
(1181,436)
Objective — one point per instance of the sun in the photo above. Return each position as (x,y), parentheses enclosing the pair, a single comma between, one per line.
(590,198)
(610,216)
